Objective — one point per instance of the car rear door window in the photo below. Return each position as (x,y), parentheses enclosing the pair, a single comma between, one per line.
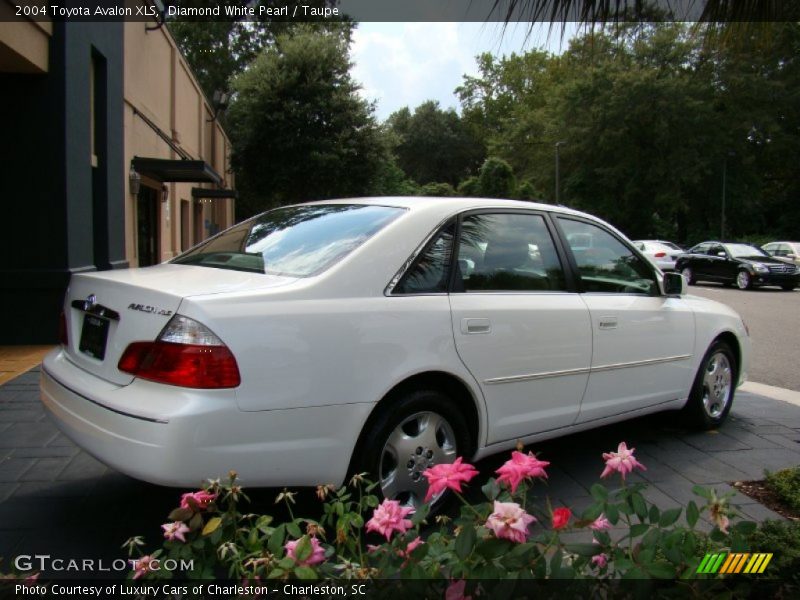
(430,272)
(605,264)
(507,252)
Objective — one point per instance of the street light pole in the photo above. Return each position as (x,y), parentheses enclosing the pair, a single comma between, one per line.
(558,182)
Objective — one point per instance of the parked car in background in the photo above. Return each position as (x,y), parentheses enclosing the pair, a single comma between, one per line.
(384,335)
(788,251)
(662,254)
(744,265)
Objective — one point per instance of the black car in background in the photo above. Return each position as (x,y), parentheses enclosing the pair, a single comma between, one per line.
(744,265)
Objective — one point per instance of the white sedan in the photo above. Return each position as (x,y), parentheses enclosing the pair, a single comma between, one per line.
(382,335)
(662,254)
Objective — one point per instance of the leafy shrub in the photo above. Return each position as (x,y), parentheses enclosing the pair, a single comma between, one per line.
(782,539)
(786,484)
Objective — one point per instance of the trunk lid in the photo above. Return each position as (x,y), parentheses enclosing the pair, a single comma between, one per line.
(106,311)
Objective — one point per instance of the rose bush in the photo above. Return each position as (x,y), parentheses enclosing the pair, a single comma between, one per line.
(514,534)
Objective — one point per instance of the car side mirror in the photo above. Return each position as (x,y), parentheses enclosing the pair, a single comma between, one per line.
(674,284)
(721,254)
(791,256)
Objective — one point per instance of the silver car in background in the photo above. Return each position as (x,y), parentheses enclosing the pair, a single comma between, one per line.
(662,254)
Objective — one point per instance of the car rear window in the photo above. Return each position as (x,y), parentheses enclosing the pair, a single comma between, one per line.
(294,241)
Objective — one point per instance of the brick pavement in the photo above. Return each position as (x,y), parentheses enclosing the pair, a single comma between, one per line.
(58,500)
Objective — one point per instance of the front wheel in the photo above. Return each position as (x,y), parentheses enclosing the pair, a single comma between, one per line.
(712,392)
(744,281)
(788,287)
(687,274)
(419,430)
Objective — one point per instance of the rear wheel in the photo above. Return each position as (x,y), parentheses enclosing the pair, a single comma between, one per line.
(688,275)
(788,287)
(421,429)
(712,392)
(744,281)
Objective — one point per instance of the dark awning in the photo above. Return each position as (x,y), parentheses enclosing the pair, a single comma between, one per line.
(208,193)
(162,169)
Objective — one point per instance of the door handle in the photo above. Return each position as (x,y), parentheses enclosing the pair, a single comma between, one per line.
(607,323)
(472,326)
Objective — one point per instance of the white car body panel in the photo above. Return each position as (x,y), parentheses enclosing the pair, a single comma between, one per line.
(318,354)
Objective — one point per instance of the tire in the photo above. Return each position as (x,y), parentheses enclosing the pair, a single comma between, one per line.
(413,432)
(744,281)
(788,287)
(714,386)
(688,275)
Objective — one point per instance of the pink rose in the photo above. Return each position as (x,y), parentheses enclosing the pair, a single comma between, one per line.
(561,517)
(600,560)
(142,566)
(197,501)
(317,553)
(509,521)
(389,517)
(447,476)
(455,591)
(622,461)
(600,523)
(521,466)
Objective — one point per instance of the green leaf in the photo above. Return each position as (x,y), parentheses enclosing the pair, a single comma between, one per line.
(212,525)
(305,573)
(612,514)
(275,544)
(591,513)
(180,514)
(692,513)
(294,530)
(465,541)
(639,529)
(491,489)
(639,506)
(669,516)
(603,537)
(276,573)
(661,570)
(599,492)
(702,492)
(302,550)
(492,548)
(654,514)
(584,549)
(420,514)
(745,527)
(262,524)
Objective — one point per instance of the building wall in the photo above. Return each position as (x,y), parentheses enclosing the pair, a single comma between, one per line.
(173,101)
(62,190)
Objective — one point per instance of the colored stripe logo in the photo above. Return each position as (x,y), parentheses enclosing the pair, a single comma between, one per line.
(735,562)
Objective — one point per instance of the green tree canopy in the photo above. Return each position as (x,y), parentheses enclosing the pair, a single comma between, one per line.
(434,145)
(299,129)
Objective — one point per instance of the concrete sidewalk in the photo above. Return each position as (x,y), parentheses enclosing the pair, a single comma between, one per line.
(57,500)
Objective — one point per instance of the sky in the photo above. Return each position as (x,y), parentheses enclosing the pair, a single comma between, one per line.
(405,64)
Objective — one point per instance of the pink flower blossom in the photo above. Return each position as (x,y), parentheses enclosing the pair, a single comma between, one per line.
(142,566)
(317,553)
(561,517)
(455,591)
(175,530)
(521,466)
(448,475)
(197,500)
(509,521)
(390,517)
(600,560)
(31,579)
(622,461)
(600,523)
(412,545)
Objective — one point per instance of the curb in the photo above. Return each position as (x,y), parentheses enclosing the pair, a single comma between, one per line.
(773,392)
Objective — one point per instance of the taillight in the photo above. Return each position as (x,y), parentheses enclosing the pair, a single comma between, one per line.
(660,254)
(62,329)
(187,354)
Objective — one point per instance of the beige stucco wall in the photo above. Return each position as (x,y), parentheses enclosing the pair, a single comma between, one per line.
(24,43)
(160,85)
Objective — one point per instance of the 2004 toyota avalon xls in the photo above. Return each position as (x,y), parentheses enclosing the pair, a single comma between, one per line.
(383,335)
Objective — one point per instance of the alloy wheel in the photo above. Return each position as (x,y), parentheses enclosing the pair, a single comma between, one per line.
(743,280)
(419,442)
(717,384)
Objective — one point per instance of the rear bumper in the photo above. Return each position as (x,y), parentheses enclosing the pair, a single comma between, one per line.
(198,434)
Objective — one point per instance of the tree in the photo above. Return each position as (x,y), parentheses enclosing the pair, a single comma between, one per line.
(434,145)
(496,179)
(220,49)
(298,127)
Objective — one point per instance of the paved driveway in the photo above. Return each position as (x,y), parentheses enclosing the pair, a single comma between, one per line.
(57,500)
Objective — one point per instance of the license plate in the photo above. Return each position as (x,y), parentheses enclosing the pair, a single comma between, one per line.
(94,336)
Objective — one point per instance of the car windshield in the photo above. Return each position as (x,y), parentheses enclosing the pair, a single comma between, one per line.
(744,250)
(670,245)
(294,241)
